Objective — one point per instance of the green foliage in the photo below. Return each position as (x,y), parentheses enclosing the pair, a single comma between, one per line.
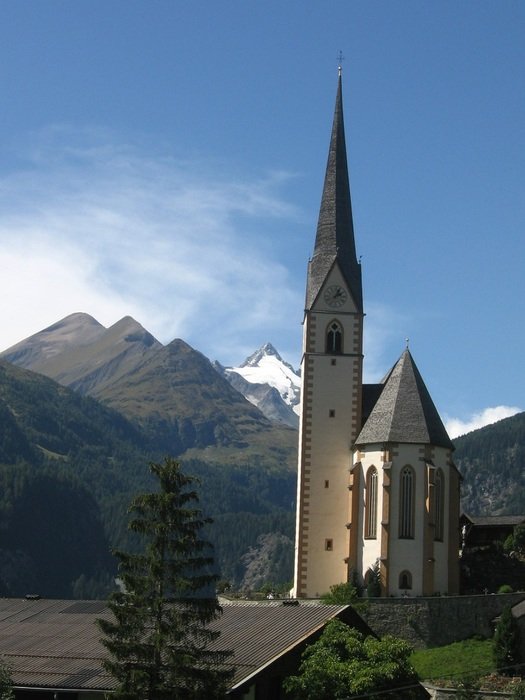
(506,643)
(471,657)
(505,588)
(373,586)
(6,682)
(159,637)
(343,664)
(518,692)
(51,535)
(340,594)
(516,541)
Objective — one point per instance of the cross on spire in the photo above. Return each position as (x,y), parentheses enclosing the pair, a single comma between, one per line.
(340,59)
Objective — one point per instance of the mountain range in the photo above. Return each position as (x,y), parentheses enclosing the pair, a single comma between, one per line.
(171,391)
(83,410)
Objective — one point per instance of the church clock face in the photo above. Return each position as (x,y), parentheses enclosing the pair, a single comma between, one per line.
(335,296)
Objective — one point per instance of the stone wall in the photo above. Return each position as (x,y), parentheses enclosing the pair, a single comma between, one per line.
(450,693)
(431,622)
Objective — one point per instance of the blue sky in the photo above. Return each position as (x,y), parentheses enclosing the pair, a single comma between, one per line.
(165,159)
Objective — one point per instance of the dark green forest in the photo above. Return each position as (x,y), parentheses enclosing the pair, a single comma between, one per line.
(69,468)
(492,463)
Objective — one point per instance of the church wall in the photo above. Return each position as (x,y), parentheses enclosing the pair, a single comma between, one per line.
(406,554)
(329,417)
(444,561)
(369,550)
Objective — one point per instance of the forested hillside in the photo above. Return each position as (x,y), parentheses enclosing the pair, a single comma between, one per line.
(492,463)
(69,467)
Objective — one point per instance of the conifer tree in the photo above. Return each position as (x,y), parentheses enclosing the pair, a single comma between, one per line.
(158,636)
(506,643)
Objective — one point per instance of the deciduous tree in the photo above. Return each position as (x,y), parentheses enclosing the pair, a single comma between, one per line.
(344,664)
(159,634)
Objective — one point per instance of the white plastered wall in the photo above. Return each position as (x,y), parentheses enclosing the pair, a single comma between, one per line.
(405,554)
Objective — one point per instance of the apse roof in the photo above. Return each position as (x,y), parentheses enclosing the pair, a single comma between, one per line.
(404,411)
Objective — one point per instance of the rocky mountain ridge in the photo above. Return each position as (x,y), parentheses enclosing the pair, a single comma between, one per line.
(172,390)
(269,383)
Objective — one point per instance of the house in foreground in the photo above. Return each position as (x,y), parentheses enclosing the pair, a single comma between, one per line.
(54,651)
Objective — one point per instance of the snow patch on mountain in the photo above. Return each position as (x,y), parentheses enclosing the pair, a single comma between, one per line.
(268,382)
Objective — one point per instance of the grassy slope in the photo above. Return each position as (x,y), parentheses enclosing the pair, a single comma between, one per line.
(467,659)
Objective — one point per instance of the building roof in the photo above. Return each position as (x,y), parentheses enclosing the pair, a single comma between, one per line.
(494,520)
(56,644)
(334,242)
(261,634)
(404,411)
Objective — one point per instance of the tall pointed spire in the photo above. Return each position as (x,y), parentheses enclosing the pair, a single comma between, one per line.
(335,228)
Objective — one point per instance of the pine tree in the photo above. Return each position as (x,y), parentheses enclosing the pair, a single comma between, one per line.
(158,638)
(506,643)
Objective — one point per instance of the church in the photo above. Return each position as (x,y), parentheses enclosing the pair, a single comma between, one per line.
(377,486)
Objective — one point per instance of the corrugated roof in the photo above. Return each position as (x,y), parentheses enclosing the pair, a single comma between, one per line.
(258,634)
(56,643)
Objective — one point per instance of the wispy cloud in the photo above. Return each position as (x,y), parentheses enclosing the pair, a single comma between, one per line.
(87,226)
(487,416)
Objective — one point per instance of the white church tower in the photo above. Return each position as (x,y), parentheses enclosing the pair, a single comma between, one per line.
(376,481)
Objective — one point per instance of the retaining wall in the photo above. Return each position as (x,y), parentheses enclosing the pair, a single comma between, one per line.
(436,621)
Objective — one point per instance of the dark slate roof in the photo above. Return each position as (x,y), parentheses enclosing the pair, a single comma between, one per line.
(494,520)
(335,229)
(404,411)
(56,644)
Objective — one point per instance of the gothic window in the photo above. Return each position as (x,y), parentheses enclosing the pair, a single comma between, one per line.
(406,503)
(439,505)
(371,504)
(334,338)
(405,580)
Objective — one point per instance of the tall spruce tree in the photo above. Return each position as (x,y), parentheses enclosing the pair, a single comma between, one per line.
(159,636)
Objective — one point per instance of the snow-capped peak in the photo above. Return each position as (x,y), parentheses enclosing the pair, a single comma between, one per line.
(258,355)
(267,375)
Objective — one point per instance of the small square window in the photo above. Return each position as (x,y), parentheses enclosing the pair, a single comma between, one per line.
(329,545)
(331,413)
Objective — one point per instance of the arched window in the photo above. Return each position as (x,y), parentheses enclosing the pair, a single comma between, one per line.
(406,503)
(371,504)
(405,580)
(439,505)
(334,338)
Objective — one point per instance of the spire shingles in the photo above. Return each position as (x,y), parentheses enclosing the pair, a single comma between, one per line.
(335,229)
(404,411)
